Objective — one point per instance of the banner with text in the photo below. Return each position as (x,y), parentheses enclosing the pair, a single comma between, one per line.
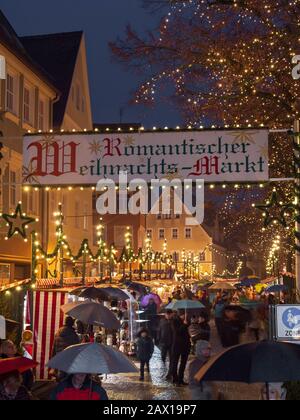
(80,159)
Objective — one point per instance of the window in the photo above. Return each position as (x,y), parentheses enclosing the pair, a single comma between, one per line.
(13,189)
(77,220)
(168,216)
(32,202)
(174,233)
(11,93)
(4,274)
(26,109)
(41,123)
(202,256)
(159,217)
(149,233)
(188,233)
(161,234)
(177,216)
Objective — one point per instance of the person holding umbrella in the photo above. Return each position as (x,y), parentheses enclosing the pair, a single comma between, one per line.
(11,388)
(80,362)
(79,387)
(8,350)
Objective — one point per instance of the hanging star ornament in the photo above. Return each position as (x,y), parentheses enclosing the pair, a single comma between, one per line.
(275,211)
(17,222)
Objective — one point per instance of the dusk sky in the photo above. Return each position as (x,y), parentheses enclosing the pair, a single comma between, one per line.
(102,21)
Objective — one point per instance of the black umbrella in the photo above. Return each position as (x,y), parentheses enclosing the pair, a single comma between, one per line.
(137,287)
(113,293)
(261,362)
(92,313)
(90,293)
(243,314)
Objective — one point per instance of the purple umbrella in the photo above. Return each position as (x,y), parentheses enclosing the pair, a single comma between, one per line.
(155,297)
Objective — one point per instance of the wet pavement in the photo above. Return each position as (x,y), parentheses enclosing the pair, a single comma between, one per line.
(155,386)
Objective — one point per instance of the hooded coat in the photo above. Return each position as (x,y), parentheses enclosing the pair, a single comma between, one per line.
(65,337)
(200,391)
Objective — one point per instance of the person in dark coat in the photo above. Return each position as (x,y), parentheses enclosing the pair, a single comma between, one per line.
(9,350)
(11,388)
(232,328)
(165,339)
(65,337)
(145,349)
(181,348)
(200,391)
(151,316)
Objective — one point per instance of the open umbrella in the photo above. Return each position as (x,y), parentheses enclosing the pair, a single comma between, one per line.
(146,299)
(20,364)
(249,282)
(185,305)
(92,313)
(137,287)
(243,314)
(113,293)
(277,288)
(92,358)
(261,362)
(90,293)
(221,286)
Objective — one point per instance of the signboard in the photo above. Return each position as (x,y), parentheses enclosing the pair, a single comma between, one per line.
(214,156)
(2,328)
(288,322)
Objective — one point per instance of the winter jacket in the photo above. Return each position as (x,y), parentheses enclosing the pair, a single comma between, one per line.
(145,349)
(181,338)
(22,395)
(200,391)
(165,333)
(65,391)
(65,337)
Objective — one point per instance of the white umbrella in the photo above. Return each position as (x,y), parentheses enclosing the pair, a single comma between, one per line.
(92,358)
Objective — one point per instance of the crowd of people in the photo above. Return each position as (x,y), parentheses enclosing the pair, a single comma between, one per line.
(183,338)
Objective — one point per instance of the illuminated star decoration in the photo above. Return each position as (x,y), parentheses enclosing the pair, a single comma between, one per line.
(241,137)
(17,222)
(129,141)
(95,147)
(282,209)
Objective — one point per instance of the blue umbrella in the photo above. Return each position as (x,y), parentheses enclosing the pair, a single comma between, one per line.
(276,288)
(185,305)
(250,282)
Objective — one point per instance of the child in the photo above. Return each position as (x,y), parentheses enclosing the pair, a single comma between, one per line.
(145,349)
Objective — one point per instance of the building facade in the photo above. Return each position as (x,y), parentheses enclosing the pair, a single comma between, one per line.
(46,90)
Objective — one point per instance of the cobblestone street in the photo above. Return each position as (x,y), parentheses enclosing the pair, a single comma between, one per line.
(155,387)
